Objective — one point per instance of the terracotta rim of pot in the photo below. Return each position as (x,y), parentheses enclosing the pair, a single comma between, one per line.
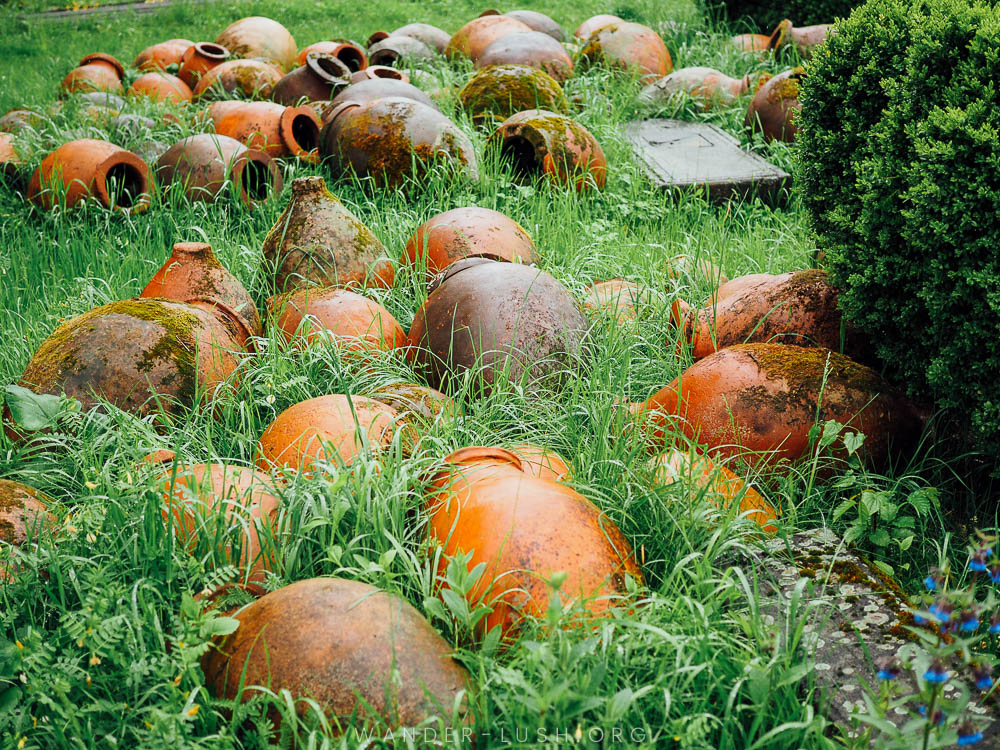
(299,128)
(191,248)
(335,111)
(457,266)
(387,72)
(385,57)
(779,37)
(329,68)
(105,58)
(489,12)
(211,50)
(482,453)
(136,174)
(250,171)
(230,313)
(377,37)
(350,55)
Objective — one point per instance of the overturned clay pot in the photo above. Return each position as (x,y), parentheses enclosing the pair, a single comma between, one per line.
(317,241)
(499,91)
(537,142)
(160,56)
(805,39)
(435,38)
(380,71)
(393,139)
(539,22)
(96,72)
(198,59)
(712,87)
(534,49)
(395,50)
(368,90)
(775,106)
(247,79)
(759,44)
(472,39)
(260,37)
(204,163)
(629,46)
(348,54)
(319,79)
(266,126)
(594,23)
(160,87)
(90,168)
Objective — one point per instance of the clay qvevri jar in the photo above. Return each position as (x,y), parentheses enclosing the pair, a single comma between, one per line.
(228,509)
(499,91)
(712,87)
(756,43)
(198,59)
(9,159)
(534,49)
(798,308)
(775,106)
(204,163)
(495,318)
(759,401)
(728,288)
(24,514)
(472,39)
(319,79)
(142,355)
(96,72)
(594,23)
(392,139)
(543,463)
(248,79)
(334,428)
(269,127)
(539,22)
(332,313)
(380,71)
(394,50)
(524,530)
(617,298)
(539,142)
(720,485)
(161,87)
(89,168)
(417,405)
(317,241)
(102,99)
(466,233)
(159,56)
(360,654)
(193,272)
(629,46)
(367,91)
(260,37)
(805,39)
(15,120)
(348,54)
(435,38)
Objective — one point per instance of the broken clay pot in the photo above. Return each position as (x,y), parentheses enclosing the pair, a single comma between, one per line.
(775,106)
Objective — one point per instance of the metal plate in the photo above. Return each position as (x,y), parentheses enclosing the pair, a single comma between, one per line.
(692,155)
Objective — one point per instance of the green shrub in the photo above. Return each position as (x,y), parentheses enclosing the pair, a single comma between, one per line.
(899,151)
(761,16)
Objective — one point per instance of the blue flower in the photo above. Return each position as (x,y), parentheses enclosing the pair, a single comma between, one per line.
(919,619)
(937,717)
(995,624)
(941,610)
(969,622)
(983,676)
(968,734)
(936,672)
(889,670)
(931,583)
(995,573)
(978,562)
(984,683)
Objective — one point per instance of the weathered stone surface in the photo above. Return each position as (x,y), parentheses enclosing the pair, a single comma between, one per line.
(857,617)
(682,155)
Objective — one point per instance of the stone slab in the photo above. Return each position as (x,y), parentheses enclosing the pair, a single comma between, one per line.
(681,155)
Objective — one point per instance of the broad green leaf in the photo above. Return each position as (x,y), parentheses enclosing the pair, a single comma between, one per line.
(845,506)
(221,626)
(853,442)
(831,430)
(30,410)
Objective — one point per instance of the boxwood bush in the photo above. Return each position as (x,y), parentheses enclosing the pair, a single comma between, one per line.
(761,16)
(899,151)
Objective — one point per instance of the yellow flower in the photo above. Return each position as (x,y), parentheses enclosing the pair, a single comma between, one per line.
(95,660)
(21,742)
(20,646)
(193,710)
(90,485)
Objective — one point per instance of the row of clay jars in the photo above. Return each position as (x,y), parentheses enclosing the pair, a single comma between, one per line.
(538,142)
(500,91)
(775,106)
(96,72)
(500,321)
(629,46)
(266,126)
(524,530)
(393,138)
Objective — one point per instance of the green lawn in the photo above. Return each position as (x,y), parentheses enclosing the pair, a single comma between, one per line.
(107,656)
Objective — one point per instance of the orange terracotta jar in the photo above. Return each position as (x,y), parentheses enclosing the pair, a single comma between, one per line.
(760,44)
(629,46)
(90,168)
(525,530)
(329,313)
(712,87)
(96,72)
(24,517)
(334,428)
(248,79)
(719,485)
(758,402)
(272,128)
(543,463)
(465,233)
(472,39)
(161,87)
(193,272)
(198,59)
(230,510)
(775,106)
(159,56)
(259,37)
(351,55)
(595,23)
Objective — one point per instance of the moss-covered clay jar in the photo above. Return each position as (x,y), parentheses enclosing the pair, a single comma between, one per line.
(629,46)
(24,516)
(142,355)
(760,401)
(532,48)
(499,91)
(317,241)
(246,79)
(775,106)
(540,142)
